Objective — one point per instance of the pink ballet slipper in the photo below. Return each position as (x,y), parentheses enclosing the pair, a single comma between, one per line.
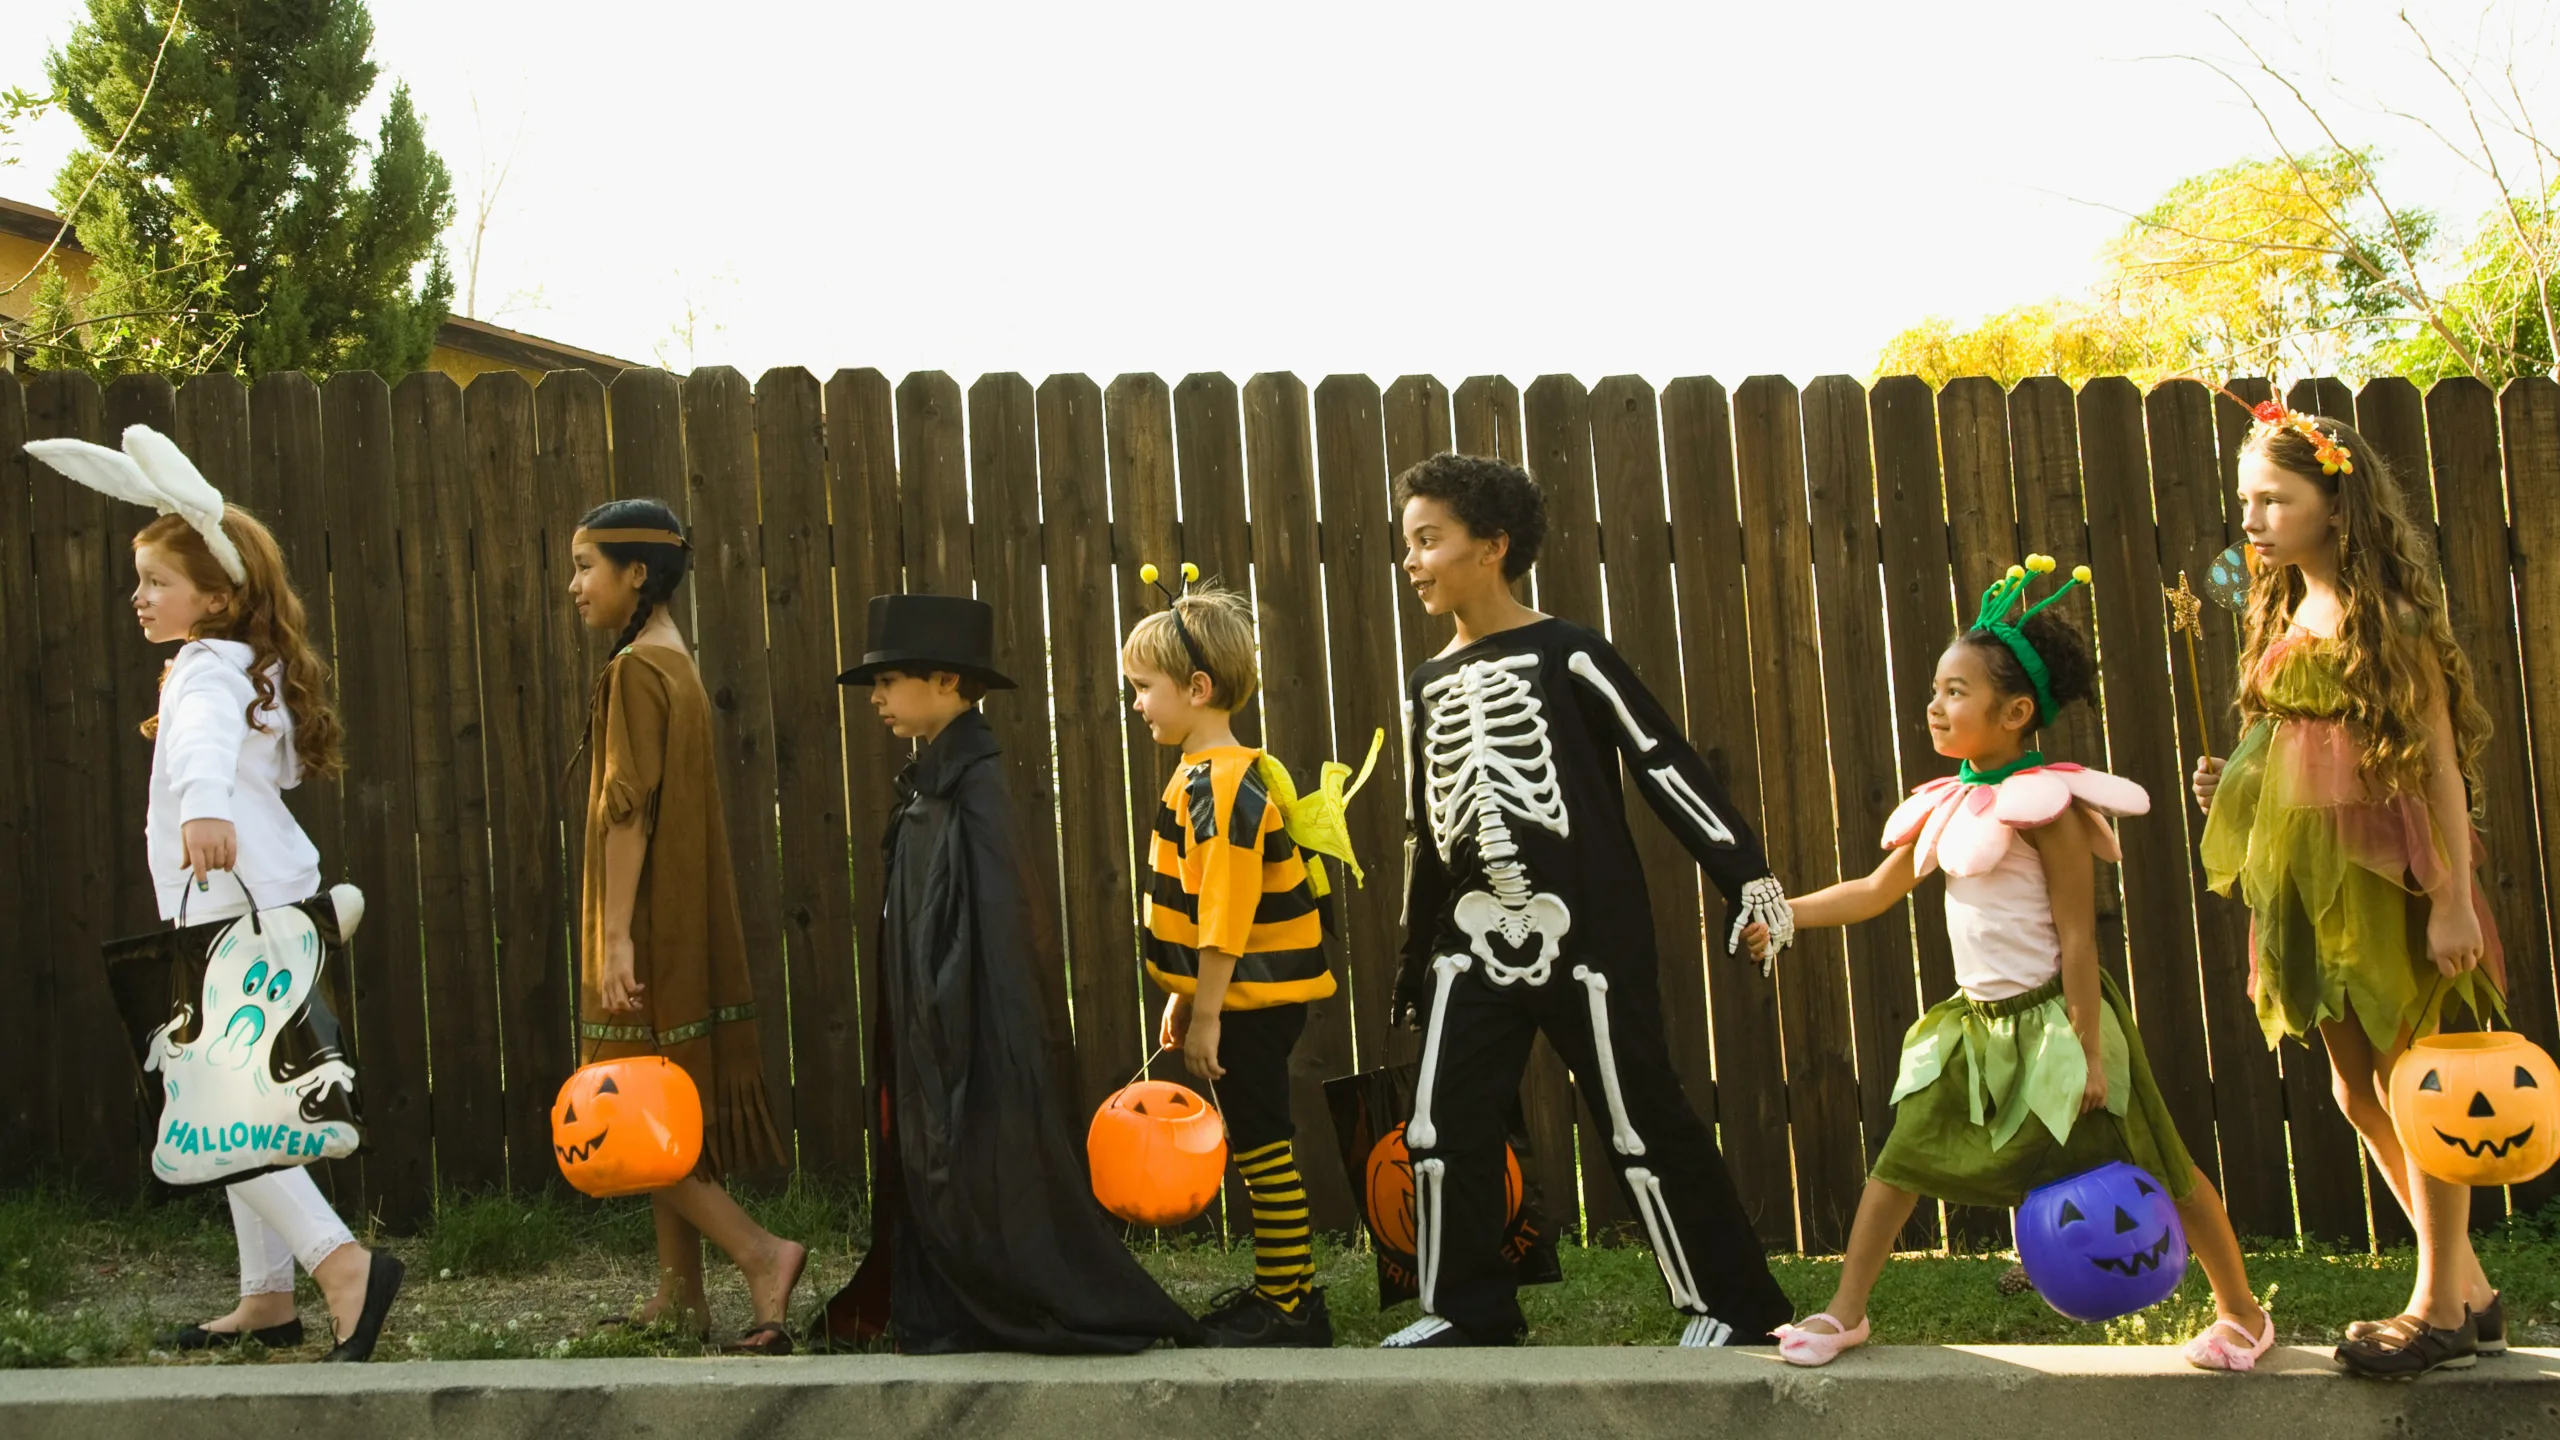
(2214,1350)
(1798,1346)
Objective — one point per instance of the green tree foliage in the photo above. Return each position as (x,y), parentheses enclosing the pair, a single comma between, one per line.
(230,229)
(2500,309)
(2258,268)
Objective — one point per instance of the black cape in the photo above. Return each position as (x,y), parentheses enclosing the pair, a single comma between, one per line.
(985,1232)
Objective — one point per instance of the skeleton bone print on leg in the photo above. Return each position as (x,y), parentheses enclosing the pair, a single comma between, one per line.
(1489,761)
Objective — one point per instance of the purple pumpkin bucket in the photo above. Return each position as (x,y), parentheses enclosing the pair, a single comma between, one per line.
(2102,1243)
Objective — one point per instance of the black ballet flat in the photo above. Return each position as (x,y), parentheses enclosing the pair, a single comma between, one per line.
(381,1287)
(287,1336)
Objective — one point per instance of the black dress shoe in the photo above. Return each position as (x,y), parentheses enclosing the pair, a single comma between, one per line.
(381,1287)
(287,1336)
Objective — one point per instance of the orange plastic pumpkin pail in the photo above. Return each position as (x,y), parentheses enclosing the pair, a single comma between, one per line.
(627,1127)
(1159,1153)
(2477,1108)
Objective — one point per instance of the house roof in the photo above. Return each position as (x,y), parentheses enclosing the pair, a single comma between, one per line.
(471,337)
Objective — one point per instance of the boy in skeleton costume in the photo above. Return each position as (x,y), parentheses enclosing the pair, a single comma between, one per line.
(1526,911)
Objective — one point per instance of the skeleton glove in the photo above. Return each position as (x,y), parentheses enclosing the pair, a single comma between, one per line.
(1763,902)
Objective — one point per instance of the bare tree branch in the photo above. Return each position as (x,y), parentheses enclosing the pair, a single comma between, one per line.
(176,15)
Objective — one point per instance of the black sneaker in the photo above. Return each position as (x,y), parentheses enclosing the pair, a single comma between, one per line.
(2406,1347)
(1245,1318)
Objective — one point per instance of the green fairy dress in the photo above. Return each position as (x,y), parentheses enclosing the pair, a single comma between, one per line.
(1987,1102)
(2336,880)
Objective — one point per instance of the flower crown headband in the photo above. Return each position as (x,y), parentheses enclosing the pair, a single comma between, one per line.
(1147,575)
(2005,593)
(2272,415)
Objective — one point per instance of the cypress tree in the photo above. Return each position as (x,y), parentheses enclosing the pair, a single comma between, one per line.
(231,230)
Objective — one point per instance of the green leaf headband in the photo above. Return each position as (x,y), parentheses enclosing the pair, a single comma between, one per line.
(2004,594)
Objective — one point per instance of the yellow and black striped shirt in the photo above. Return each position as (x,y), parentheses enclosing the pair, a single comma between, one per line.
(1226,876)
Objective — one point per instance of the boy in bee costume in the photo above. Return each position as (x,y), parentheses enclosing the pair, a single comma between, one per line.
(1237,909)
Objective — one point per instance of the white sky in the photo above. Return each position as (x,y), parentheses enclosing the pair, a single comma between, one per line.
(1581,185)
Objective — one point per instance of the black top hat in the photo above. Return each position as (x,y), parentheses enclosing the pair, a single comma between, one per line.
(919,634)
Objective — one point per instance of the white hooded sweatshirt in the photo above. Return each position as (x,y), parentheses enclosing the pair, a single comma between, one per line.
(210,763)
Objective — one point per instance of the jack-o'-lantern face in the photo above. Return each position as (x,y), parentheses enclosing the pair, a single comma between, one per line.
(1388,1192)
(2102,1243)
(1158,1153)
(2478,1108)
(626,1127)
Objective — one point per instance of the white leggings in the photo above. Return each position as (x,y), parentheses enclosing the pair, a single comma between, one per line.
(281,1217)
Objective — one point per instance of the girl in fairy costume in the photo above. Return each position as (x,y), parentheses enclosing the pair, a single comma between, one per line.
(2033,1071)
(2344,818)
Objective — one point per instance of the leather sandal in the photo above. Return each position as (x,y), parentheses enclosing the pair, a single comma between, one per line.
(769,1338)
(2406,1347)
(2492,1322)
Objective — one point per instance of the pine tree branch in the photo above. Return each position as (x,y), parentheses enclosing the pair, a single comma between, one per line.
(176,15)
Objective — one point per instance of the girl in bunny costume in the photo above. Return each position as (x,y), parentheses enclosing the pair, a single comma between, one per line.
(2033,1070)
(244,715)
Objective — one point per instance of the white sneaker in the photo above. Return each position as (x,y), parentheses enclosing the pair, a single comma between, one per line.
(1428,1333)
(1705,1332)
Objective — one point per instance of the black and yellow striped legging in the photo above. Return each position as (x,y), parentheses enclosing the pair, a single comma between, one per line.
(1283,1262)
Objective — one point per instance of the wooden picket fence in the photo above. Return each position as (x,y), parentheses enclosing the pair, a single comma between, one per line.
(1780,566)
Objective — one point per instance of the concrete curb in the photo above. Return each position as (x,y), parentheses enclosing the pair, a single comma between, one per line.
(1904,1393)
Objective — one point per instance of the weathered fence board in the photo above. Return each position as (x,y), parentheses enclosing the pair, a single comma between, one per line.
(28,1134)
(816,848)
(2529,436)
(1797,825)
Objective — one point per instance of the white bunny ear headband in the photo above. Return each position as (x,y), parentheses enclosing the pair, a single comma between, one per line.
(150,470)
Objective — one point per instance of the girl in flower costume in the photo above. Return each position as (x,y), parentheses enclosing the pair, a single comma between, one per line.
(2033,1071)
(2343,817)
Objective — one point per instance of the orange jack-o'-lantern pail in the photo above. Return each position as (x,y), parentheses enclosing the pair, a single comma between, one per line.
(1159,1153)
(2477,1108)
(627,1127)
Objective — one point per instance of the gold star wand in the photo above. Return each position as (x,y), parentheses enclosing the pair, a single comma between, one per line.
(2186,618)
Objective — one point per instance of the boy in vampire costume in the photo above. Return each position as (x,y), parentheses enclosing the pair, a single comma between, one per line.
(984,1231)
(1526,912)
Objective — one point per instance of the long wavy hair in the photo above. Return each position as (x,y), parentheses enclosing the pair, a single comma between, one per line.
(267,616)
(2382,578)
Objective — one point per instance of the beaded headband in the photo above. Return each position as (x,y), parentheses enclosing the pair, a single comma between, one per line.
(631,537)
(1147,575)
(2005,593)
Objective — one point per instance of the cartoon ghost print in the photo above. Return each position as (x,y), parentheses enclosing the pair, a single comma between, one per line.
(232,1105)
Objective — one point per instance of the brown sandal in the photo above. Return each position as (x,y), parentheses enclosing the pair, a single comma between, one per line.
(768,1338)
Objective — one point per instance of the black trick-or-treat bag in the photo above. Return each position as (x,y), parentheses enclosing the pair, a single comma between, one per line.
(238,1032)
(1369,1114)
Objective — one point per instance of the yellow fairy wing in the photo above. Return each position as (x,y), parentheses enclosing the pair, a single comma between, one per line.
(1319,822)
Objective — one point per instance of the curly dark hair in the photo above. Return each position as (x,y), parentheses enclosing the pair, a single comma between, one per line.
(1489,497)
(2070,672)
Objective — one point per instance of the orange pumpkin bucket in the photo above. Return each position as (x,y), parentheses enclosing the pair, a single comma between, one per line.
(2477,1108)
(1159,1153)
(627,1127)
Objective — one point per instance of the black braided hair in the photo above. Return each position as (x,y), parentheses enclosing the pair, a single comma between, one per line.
(2070,673)
(668,565)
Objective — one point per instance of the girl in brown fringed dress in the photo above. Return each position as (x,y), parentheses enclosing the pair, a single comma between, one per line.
(662,956)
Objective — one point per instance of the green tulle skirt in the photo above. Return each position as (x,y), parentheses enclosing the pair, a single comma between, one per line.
(1987,1105)
(2336,881)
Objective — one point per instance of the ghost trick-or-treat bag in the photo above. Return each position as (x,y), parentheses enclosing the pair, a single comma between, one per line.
(1369,1114)
(242,1052)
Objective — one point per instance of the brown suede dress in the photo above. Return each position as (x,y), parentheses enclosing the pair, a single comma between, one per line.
(649,736)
